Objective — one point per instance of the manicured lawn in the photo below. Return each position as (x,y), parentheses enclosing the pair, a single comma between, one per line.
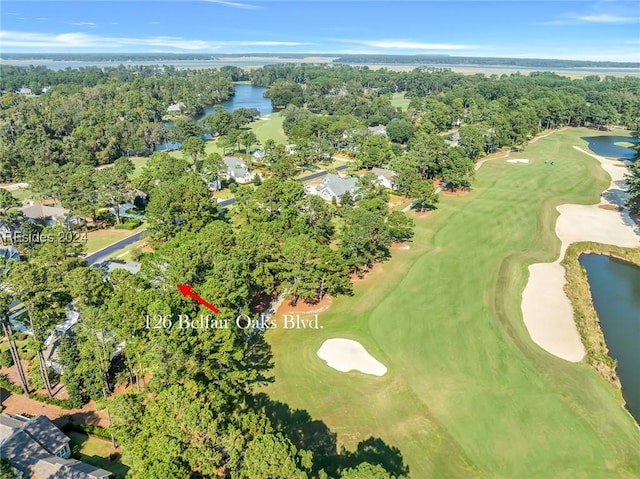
(99,239)
(138,162)
(467,393)
(223,194)
(95,451)
(126,254)
(270,128)
(24,194)
(398,100)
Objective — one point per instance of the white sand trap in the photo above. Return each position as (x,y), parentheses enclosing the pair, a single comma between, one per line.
(546,310)
(346,355)
(521,160)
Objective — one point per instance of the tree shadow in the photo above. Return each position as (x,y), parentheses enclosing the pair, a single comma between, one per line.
(260,356)
(375,451)
(314,435)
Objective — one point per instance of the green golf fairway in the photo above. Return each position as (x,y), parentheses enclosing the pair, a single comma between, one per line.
(467,393)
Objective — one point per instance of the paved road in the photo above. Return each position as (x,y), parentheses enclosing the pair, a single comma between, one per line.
(313,176)
(107,251)
(104,253)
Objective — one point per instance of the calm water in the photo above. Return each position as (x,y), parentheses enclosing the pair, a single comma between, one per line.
(246,96)
(615,288)
(611,147)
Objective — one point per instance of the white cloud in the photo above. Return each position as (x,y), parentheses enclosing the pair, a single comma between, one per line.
(243,6)
(78,40)
(606,18)
(82,24)
(410,45)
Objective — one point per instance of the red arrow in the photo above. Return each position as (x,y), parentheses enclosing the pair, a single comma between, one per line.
(186,290)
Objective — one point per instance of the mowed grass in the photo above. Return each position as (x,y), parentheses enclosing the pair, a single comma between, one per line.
(467,393)
(100,238)
(398,100)
(269,128)
(95,451)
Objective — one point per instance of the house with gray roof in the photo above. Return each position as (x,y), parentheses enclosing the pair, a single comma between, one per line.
(378,130)
(453,139)
(36,448)
(335,186)
(385,177)
(7,232)
(237,169)
(9,253)
(49,215)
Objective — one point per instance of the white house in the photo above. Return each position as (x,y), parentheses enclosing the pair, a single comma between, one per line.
(175,107)
(7,232)
(237,169)
(24,91)
(335,186)
(378,130)
(385,177)
(453,139)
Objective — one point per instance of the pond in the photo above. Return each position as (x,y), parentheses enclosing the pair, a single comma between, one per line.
(612,146)
(615,290)
(246,96)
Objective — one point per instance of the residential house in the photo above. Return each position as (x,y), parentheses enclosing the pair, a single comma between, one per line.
(52,343)
(24,91)
(111,266)
(175,107)
(9,253)
(7,232)
(237,169)
(50,215)
(378,130)
(258,155)
(385,177)
(36,448)
(335,186)
(453,139)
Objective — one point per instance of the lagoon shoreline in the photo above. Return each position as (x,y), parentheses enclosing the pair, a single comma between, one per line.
(552,306)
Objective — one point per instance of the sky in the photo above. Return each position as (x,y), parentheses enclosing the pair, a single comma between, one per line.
(577,30)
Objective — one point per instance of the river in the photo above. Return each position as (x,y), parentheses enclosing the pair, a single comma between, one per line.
(615,289)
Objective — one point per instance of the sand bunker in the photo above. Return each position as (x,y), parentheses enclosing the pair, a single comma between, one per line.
(518,161)
(546,310)
(346,355)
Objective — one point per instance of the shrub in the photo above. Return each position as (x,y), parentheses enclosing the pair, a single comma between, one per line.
(6,360)
(88,429)
(107,217)
(8,385)
(63,403)
(129,224)
(233,187)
